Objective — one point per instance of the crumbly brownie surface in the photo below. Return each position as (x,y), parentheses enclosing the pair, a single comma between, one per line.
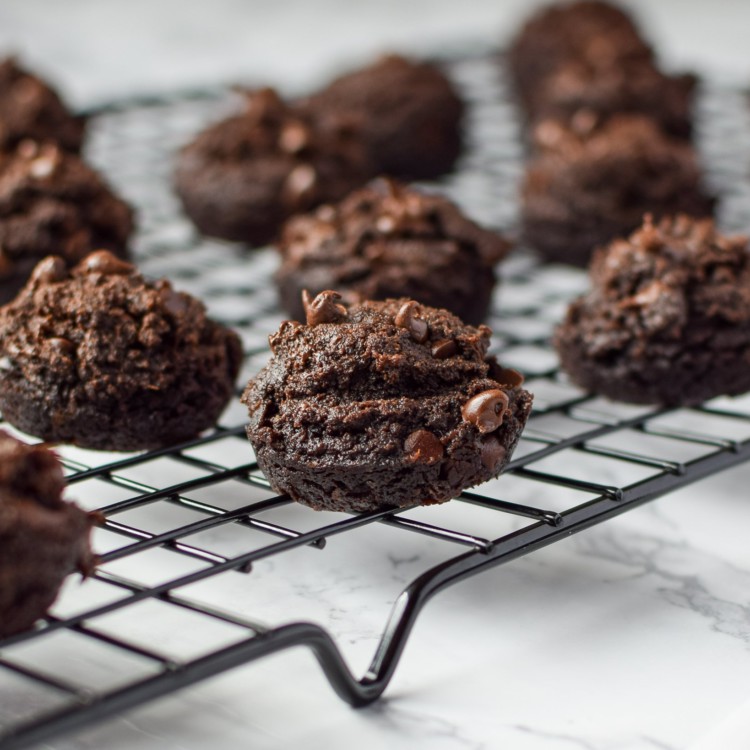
(592,32)
(29,108)
(667,319)
(409,111)
(53,203)
(385,404)
(387,240)
(593,182)
(242,177)
(99,357)
(42,538)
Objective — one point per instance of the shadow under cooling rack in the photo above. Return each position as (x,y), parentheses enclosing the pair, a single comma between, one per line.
(199,555)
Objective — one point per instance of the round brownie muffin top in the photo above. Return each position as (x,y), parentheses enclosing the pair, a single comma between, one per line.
(385,403)
(29,108)
(667,319)
(387,240)
(409,111)
(630,87)
(241,177)
(42,538)
(100,357)
(592,181)
(591,31)
(51,202)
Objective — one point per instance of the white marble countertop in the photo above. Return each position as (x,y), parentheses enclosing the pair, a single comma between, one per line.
(634,634)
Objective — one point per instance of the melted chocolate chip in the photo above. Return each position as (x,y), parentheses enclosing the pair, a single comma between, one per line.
(324,308)
(102,261)
(300,184)
(492,452)
(422,446)
(407,318)
(51,269)
(444,348)
(45,164)
(506,376)
(294,137)
(62,346)
(386,224)
(486,410)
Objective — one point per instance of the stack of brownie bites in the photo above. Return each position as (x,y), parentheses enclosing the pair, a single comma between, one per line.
(609,133)
(613,175)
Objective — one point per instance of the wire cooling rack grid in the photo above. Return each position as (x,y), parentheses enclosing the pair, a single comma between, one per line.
(200,559)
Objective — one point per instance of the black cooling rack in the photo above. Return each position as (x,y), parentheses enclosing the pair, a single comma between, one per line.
(196,547)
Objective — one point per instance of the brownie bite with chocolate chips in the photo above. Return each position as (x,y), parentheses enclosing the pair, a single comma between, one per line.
(384,404)
(595,33)
(388,240)
(29,108)
(409,111)
(667,320)
(43,539)
(592,182)
(242,177)
(51,202)
(102,358)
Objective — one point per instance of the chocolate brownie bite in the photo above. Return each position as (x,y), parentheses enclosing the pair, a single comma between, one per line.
(410,114)
(384,404)
(637,88)
(597,34)
(242,177)
(43,539)
(29,108)
(387,240)
(593,182)
(51,202)
(102,358)
(667,319)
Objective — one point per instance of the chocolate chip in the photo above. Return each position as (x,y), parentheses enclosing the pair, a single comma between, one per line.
(422,446)
(492,452)
(62,346)
(300,184)
(407,318)
(324,308)
(294,137)
(43,166)
(507,376)
(486,410)
(102,261)
(444,348)
(51,269)
(386,224)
